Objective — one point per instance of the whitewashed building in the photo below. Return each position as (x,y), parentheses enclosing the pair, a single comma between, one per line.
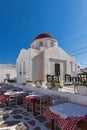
(43,58)
(7,71)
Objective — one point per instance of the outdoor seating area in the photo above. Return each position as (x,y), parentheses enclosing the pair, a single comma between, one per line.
(58,112)
(15,96)
(67,115)
(40,99)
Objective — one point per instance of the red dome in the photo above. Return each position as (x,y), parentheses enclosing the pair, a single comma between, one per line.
(44,35)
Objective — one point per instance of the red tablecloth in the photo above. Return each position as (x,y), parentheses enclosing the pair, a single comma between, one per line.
(31,98)
(16,94)
(2,98)
(70,123)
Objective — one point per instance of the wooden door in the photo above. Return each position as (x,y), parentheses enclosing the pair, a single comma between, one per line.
(57,69)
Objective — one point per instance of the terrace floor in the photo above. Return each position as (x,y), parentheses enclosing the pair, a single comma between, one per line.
(18,118)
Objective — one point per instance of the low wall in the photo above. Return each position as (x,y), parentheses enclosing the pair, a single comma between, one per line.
(75,98)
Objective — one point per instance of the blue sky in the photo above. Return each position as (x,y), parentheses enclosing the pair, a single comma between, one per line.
(22,20)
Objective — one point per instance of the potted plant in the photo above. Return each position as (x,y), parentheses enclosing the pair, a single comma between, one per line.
(54,85)
(38,83)
(11,81)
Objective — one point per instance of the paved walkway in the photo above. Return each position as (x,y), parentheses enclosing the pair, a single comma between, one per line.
(18,118)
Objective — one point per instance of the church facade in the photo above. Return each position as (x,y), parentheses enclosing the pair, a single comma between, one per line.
(45,57)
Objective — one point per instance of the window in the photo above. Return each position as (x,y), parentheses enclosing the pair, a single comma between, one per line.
(41,43)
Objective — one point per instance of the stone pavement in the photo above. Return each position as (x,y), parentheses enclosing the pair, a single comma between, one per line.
(18,118)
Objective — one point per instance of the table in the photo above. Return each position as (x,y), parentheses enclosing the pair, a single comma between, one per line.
(6,94)
(18,94)
(34,98)
(10,97)
(67,115)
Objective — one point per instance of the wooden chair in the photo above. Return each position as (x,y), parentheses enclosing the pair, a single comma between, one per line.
(12,99)
(43,103)
(82,125)
(2,99)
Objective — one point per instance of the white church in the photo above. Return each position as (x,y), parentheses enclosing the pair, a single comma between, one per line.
(45,57)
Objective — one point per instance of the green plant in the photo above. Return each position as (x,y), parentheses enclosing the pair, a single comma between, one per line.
(29,81)
(59,85)
(40,81)
(35,82)
(55,83)
(11,80)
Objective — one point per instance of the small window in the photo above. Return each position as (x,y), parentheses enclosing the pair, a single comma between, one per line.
(41,43)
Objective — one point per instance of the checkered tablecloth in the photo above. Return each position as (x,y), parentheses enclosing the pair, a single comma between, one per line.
(2,98)
(33,97)
(70,123)
(27,100)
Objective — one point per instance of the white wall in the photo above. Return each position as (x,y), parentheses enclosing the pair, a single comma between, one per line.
(75,98)
(11,71)
(38,67)
(33,53)
(25,56)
